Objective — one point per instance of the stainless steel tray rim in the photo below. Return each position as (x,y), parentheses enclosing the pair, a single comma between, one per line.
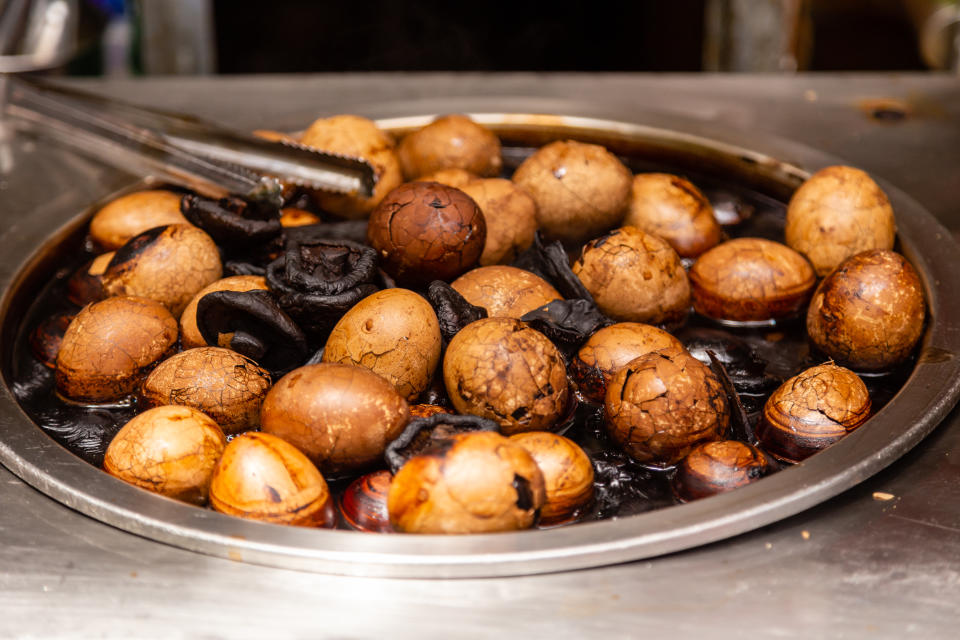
(44,464)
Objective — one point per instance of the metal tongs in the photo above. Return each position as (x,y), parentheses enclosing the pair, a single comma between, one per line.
(211,160)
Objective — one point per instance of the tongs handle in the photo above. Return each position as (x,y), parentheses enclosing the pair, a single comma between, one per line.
(208,159)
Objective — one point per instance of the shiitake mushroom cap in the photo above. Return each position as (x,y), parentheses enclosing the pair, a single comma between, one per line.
(262,477)
(425,231)
(837,213)
(450,142)
(110,345)
(132,214)
(170,450)
(505,291)
(567,474)
(499,368)
(663,404)
(610,348)
(581,190)
(751,279)
(341,416)
(812,410)
(718,467)
(674,209)
(394,333)
(190,335)
(471,483)
(868,314)
(635,276)
(221,383)
(169,264)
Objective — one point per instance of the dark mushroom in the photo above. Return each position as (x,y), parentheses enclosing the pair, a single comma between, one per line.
(233,223)
(423,433)
(317,280)
(251,323)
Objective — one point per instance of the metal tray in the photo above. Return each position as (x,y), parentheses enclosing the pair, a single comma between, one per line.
(770,165)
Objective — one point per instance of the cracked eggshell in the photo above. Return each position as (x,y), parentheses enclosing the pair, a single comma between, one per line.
(425,231)
(839,212)
(812,410)
(581,190)
(341,416)
(132,214)
(868,314)
(674,209)
(505,291)
(611,348)
(223,384)
(511,216)
(190,335)
(450,142)
(109,346)
(261,477)
(751,279)
(357,137)
(501,369)
(663,404)
(718,467)
(394,333)
(473,483)
(167,264)
(635,276)
(168,450)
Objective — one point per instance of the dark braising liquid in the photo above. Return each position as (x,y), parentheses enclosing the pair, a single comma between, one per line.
(758,359)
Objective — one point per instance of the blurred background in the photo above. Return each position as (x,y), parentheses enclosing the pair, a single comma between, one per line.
(144,37)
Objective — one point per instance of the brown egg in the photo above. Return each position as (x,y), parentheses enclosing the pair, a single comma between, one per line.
(474,483)
(261,477)
(635,277)
(501,369)
(751,279)
(395,334)
(46,338)
(190,336)
(341,416)
(581,190)
(811,411)
(450,142)
(358,137)
(672,208)
(611,348)
(293,217)
(110,345)
(425,231)
(363,503)
(505,291)
(837,213)
(132,214)
(567,474)
(661,405)
(223,384)
(456,178)
(168,450)
(167,264)
(86,284)
(511,216)
(718,467)
(868,314)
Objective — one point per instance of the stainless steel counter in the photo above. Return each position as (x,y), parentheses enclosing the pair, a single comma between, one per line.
(856,566)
